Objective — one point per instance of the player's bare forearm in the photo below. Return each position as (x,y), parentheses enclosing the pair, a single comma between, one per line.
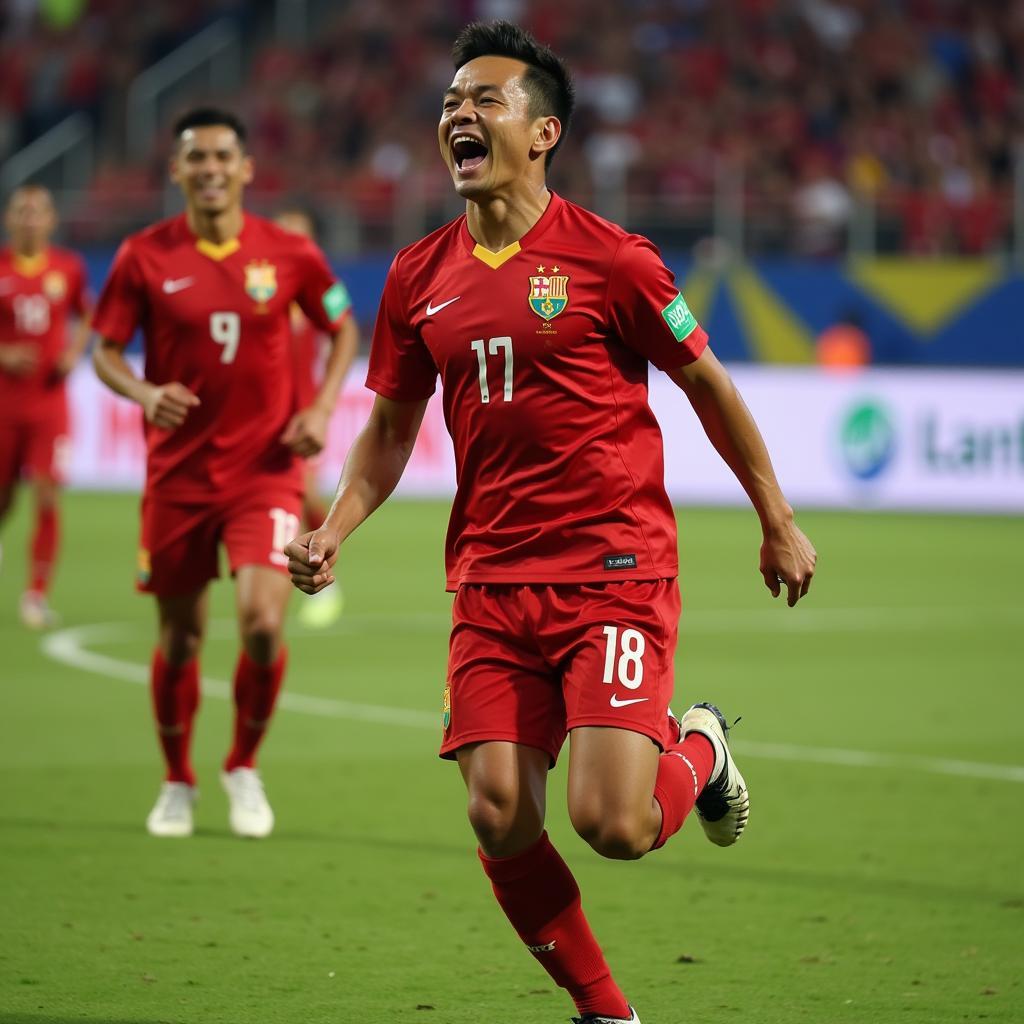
(344,346)
(374,466)
(787,556)
(76,345)
(306,432)
(164,405)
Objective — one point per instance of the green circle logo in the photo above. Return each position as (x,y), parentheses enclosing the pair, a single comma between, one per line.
(867,439)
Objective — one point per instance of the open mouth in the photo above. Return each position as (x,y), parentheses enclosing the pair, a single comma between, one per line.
(468,152)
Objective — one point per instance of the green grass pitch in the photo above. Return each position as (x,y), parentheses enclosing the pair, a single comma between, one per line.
(880,880)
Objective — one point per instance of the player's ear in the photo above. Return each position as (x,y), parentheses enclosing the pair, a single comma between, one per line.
(548,132)
(172,168)
(248,170)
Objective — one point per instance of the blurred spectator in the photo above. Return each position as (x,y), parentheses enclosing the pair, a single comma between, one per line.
(915,107)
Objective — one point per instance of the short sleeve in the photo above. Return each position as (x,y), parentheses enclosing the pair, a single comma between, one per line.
(401,366)
(646,309)
(122,302)
(322,297)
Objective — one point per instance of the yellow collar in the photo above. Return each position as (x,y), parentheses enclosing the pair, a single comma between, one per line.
(30,266)
(496,259)
(217,251)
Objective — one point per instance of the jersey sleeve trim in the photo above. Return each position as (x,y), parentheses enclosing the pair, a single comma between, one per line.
(386,390)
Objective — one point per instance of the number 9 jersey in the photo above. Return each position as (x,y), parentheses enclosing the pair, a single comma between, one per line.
(543,352)
(216,319)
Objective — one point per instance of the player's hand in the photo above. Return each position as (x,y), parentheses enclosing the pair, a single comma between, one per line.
(311,559)
(306,432)
(66,362)
(788,559)
(167,405)
(19,359)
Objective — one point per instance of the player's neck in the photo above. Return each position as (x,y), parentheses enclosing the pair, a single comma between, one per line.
(29,251)
(498,221)
(217,228)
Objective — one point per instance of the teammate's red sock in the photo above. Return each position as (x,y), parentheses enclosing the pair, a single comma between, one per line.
(540,898)
(44,548)
(256,690)
(314,512)
(683,772)
(175,692)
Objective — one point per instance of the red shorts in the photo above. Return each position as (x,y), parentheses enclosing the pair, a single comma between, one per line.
(529,662)
(180,540)
(36,450)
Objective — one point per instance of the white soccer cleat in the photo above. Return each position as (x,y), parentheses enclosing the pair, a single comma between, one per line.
(250,814)
(593,1018)
(171,817)
(36,612)
(323,609)
(724,805)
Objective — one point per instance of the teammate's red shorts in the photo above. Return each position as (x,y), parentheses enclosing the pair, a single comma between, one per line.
(180,540)
(36,450)
(529,662)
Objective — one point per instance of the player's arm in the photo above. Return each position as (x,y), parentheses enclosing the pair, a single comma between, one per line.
(19,358)
(372,470)
(787,556)
(77,344)
(165,405)
(306,432)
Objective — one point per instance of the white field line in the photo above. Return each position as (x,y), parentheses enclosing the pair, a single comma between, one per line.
(69,647)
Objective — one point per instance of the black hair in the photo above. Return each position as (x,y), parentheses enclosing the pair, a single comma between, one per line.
(547,80)
(204,117)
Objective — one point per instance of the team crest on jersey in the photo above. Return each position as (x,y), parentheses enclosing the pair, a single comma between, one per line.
(261,282)
(55,285)
(548,293)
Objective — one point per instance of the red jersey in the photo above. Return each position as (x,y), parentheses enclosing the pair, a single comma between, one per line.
(543,351)
(37,296)
(216,319)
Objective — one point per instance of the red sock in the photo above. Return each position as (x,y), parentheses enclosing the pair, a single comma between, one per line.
(314,512)
(175,692)
(540,898)
(683,772)
(256,690)
(44,548)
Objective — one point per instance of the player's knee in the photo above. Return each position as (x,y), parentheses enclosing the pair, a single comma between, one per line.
(617,837)
(179,646)
(501,827)
(261,633)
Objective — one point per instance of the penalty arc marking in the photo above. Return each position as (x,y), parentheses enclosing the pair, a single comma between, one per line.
(71,647)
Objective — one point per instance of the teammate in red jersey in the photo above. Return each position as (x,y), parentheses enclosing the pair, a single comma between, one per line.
(541,319)
(42,289)
(318,610)
(211,291)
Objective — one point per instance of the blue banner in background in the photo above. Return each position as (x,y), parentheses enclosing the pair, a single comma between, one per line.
(943,312)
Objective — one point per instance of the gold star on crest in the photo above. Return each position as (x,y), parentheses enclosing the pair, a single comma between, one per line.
(540,269)
(554,270)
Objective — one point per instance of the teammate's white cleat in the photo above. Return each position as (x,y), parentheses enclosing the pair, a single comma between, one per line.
(592,1018)
(724,805)
(250,814)
(171,817)
(323,609)
(36,612)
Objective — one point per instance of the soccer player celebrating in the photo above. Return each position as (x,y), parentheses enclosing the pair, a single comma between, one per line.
(319,610)
(541,319)
(211,290)
(42,287)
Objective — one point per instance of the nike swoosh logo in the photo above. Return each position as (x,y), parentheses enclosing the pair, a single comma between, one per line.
(170,287)
(431,310)
(616,703)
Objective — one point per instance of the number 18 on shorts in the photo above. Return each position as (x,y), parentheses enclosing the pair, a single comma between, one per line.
(529,662)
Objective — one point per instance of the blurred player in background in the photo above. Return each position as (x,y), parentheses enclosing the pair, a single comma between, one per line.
(212,291)
(42,289)
(323,609)
(541,319)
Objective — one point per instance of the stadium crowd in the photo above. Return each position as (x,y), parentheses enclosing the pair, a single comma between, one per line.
(812,109)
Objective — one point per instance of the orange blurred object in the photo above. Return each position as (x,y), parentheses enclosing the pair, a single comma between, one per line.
(843,346)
